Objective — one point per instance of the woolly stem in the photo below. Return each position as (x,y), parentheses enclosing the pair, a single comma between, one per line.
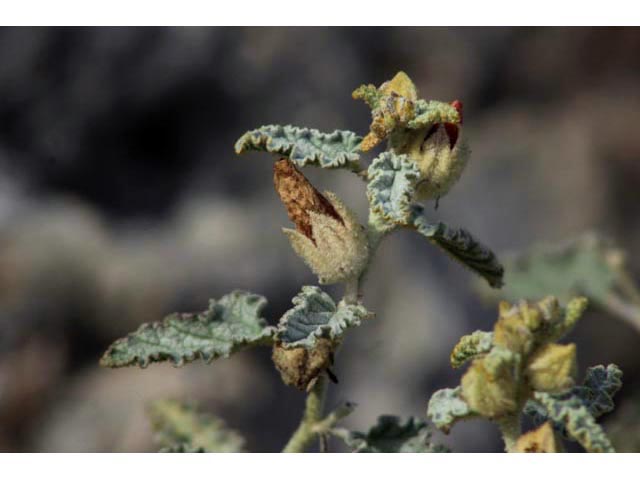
(314,405)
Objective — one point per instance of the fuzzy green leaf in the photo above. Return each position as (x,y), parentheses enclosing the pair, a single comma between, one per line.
(596,394)
(429,112)
(180,428)
(580,267)
(228,325)
(446,407)
(461,246)
(594,398)
(599,387)
(304,146)
(470,346)
(315,315)
(577,420)
(391,188)
(391,435)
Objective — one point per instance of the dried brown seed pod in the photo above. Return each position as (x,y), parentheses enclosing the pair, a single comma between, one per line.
(300,367)
(300,198)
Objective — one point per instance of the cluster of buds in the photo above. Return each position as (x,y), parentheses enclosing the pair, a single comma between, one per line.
(524,357)
(328,236)
(430,133)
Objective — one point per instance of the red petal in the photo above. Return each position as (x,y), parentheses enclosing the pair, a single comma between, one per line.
(457,104)
(452,133)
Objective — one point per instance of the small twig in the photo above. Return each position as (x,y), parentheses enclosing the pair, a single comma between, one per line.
(626,311)
(326,424)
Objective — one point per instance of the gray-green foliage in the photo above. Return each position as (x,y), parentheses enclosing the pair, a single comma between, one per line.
(470,346)
(392,435)
(418,164)
(446,407)
(232,323)
(304,146)
(461,246)
(391,188)
(578,423)
(315,315)
(179,428)
(574,412)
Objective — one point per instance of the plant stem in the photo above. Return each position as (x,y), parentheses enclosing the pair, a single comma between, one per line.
(510,430)
(313,408)
(626,311)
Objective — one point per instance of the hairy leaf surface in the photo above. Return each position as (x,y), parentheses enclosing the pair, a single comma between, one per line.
(391,188)
(461,246)
(304,146)
(228,325)
(446,407)
(315,315)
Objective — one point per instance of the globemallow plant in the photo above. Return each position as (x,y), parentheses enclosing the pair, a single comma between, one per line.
(517,368)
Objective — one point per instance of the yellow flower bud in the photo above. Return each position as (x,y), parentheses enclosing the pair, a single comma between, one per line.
(490,385)
(441,154)
(541,440)
(511,332)
(552,368)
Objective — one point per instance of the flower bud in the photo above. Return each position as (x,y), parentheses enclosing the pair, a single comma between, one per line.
(299,366)
(328,236)
(541,440)
(511,332)
(552,368)
(440,153)
(392,107)
(490,385)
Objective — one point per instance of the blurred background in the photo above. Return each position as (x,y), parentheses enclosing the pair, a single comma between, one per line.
(121,200)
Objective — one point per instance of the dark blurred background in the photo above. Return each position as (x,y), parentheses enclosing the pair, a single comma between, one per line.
(121,200)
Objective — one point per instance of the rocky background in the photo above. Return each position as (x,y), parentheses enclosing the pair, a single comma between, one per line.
(121,200)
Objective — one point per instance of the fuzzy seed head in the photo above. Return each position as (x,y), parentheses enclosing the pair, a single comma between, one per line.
(339,250)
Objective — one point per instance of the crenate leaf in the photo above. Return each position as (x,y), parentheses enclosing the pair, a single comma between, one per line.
(596,393)
(315,315)
(578,422)
(446,407)
(391,188)
(305,146)
(392,435)
(179,428)
(599,387)
(461,246)
(228,325)
(470,346)
(430,112)
(593,398)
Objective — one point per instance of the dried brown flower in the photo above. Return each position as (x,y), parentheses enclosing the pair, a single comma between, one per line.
(300,198)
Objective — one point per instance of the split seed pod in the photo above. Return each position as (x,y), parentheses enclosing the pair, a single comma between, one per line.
(299,366)
(328,236)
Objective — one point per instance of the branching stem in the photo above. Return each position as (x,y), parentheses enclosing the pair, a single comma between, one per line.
(312,425)
(314,405)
